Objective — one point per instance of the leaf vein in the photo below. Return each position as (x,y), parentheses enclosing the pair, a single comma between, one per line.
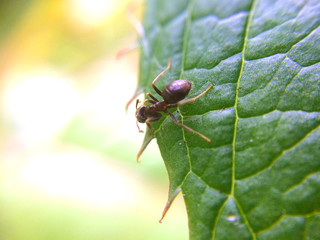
(267,84)
(281,154)
(218,217)
(284,91)
(305,178)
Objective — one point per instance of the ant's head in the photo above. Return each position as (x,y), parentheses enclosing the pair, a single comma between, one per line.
(141,113)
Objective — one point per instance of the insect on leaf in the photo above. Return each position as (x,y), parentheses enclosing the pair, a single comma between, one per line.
(259,177)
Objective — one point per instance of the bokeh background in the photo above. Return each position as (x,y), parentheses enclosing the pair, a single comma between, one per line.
(67,146)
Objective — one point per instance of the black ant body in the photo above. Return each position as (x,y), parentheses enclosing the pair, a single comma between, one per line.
(173,96)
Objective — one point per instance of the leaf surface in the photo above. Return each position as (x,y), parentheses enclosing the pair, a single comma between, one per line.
(259,177)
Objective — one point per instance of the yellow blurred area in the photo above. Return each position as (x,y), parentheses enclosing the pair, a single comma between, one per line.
(67,147)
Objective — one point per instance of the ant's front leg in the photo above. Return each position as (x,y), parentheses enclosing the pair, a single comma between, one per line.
(140,131)
(154,118)
(137,102)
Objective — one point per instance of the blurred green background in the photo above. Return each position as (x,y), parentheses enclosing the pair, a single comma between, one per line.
(67,147)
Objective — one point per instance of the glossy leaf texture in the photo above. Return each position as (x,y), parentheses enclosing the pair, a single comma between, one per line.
(259,177)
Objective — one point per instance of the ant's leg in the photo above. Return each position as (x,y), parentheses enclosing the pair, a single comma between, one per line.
(137,102)
(150,128)
(187,128)
(148,100)
(154,118)
(149,95)
(184,101)
(138,127)
(157,78)
(136,94)
(151,101)
(147,139)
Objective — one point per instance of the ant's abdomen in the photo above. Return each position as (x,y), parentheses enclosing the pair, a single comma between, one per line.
(176,91)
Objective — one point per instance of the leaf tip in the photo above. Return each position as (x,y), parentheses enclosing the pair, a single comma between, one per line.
(168,204)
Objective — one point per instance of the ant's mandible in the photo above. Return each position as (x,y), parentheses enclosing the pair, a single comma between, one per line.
(173,96)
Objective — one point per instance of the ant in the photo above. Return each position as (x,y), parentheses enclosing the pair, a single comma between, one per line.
(173,96)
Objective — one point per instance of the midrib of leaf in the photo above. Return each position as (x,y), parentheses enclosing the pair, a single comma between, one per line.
(249,19)
(184,49)
(186,32)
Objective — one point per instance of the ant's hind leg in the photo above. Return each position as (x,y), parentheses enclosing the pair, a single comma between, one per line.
(184,101)
(187,128)
(157,78)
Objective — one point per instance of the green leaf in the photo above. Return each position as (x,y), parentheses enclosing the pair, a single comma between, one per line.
(259,177)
